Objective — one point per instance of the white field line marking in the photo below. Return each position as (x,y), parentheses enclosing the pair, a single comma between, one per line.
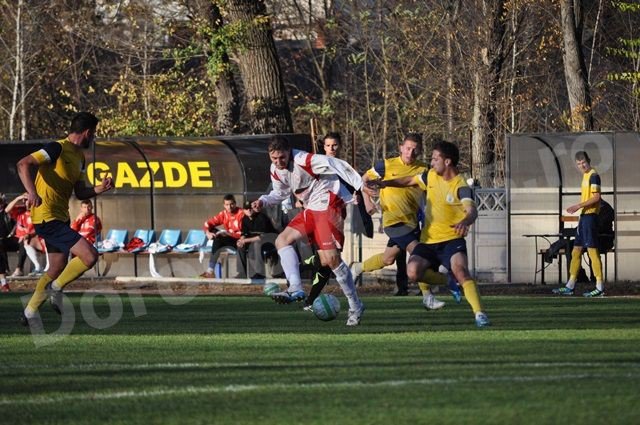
(241,388)
(36,368)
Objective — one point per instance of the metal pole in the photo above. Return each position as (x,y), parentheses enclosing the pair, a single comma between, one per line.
(152,187)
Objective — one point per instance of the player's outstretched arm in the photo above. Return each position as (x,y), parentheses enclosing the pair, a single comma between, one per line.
(368,193)
(399,182)
(82,191)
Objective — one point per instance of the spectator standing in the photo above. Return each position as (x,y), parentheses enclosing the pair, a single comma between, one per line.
(230,218)
(87,223)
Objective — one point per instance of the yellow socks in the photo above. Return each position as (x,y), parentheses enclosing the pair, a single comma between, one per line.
(596,264)
(472,295)
(38,297)
(75,268)
(431,277)
(375,262)
(424,287)
(574,267)
(434,278)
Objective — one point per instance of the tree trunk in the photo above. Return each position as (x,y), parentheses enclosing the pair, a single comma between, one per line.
(385,100)
(487,78)
(575,70)
(451,17)
(228,104)
(16,75)
(227,95)
(23,90)
(266,98)
(482,145)
(450,86)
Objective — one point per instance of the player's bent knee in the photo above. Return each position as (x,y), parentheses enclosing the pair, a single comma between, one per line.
(92,259)
(287,237)
(388,261)
(413,271)
(460,272)
(280,243)
(54,272)
(331,260)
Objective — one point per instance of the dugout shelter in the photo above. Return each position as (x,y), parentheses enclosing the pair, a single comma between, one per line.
(163,183)
(542,181)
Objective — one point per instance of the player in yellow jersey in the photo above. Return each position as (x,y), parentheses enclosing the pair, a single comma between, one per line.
(450,212)
(587,234)
(60,173)
(400,206)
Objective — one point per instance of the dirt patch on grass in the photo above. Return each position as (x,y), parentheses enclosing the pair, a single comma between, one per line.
(368,288)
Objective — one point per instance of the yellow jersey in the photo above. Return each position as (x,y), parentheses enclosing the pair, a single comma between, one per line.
(590,186)
(61,166)
(446,202)
(399,204)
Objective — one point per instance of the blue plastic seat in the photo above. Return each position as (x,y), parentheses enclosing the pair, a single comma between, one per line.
(195,239)
(115,240)
(169,239)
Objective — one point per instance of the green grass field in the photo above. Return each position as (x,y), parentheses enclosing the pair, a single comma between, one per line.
(238,360)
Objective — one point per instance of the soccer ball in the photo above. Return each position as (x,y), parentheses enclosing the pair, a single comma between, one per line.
(326,307)
(271,288)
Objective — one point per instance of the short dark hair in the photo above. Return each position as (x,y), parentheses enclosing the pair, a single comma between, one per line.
(229,197)
(83,121)
(583,156)
(448,151)
(86,202)
(414,137)
(333,135)
(279,143)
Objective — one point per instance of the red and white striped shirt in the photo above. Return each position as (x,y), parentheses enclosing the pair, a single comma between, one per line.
(314,179)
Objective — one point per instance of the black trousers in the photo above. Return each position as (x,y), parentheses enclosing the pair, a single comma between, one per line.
(250,257)
(218,243)
(7,245)
(402,281)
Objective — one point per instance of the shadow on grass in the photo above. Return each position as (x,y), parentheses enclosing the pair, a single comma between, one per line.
(206,315)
